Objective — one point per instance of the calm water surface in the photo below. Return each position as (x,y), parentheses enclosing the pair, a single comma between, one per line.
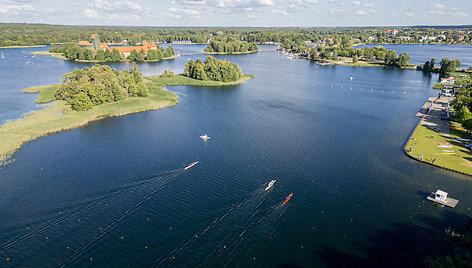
(115,193)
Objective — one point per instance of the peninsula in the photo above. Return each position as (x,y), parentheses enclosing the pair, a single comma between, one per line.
(72,112)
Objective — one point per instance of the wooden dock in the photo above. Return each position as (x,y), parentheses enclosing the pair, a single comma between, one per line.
(424,109)
(450,202)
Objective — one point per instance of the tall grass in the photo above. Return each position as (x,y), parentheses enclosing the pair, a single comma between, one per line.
(46,92)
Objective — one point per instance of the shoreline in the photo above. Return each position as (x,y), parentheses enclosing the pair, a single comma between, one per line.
(425,132)
(23,46)
(58,116)
(227,53)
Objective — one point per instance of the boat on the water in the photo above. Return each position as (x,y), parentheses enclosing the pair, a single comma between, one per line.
(204,137)
(191,165)
(351,78)
(287,199)
(271,183)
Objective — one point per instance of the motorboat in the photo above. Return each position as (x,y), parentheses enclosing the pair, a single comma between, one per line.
(204,137)
(271,183)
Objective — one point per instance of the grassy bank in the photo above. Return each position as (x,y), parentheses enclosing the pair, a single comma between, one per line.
(59,116)
(183,80)
(47,53)
(46,92)
(425,141)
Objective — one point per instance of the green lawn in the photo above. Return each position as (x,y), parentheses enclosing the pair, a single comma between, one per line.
(425,141)
(59,116)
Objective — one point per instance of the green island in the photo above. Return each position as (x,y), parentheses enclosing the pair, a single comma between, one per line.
(94,51)
(230,46)
(73,107)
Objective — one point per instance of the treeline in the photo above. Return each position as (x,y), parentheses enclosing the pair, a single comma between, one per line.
(85,88)
(73,52)
(43,34)
(231,46)
(377,53)
(213,69)
(463,102)
(446,67)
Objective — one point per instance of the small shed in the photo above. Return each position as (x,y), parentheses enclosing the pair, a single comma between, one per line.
(440,195)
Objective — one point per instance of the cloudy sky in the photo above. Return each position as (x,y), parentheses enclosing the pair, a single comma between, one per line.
(238,12)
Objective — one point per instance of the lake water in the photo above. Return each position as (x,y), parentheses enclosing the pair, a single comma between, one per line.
(115,193)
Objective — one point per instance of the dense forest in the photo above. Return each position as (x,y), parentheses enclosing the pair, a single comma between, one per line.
(44,34)
(213,69)
(231,46)
(73,52)
(85,88)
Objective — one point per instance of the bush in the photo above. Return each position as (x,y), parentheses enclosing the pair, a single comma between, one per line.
(167,74)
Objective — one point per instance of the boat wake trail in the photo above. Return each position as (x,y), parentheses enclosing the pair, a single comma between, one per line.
(125,189)
(260,230)
(221,229)
(91,241)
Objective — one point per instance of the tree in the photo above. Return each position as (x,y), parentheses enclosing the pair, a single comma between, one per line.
(355,59)
(391,58)
(100,56)
(213,69)
(403,60)
(82,89)
(448,67)
(81,102)
(169,52)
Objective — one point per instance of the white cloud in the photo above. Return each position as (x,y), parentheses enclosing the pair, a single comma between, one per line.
(371,5)
(356,3)
(361,12)
(16,9)
(184,11)
(90,13)
(118,6)
(266,2)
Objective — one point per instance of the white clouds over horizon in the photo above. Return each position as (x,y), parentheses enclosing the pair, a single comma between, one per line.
(237,12)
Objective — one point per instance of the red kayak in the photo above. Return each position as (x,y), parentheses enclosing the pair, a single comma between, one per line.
(286,199)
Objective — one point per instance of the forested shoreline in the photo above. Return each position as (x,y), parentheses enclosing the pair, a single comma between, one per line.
(13,34)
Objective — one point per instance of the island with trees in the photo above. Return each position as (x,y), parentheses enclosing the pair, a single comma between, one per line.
(93,50)
(229,46)
(93,93)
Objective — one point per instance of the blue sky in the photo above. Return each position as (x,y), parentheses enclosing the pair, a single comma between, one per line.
(238,12)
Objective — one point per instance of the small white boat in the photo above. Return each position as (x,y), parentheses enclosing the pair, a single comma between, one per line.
(2,55)
(271,183)
(191,165)
(204,137)
(351,78)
